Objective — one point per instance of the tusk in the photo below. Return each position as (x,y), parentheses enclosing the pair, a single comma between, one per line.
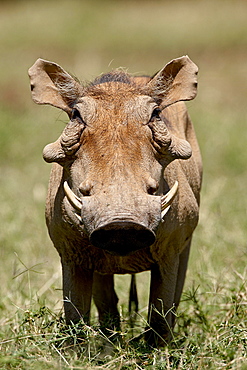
(164,212)
(74,200)
(166,200)
(78,217)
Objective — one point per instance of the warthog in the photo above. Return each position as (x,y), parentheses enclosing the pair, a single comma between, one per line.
(124,189)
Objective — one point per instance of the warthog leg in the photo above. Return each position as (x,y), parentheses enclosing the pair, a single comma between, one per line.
(105,299)
(161,303)
(77,288)
(183,262)
(167,283)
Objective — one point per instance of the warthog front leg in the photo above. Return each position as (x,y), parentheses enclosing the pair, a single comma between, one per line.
(167,283)
(106,300)
(161,303)
(183,262)
(77,290)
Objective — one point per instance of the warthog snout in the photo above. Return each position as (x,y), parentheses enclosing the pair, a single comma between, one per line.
(115,230)
(122,238)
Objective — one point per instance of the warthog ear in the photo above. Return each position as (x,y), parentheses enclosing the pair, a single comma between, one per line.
(51,84)
(175,82)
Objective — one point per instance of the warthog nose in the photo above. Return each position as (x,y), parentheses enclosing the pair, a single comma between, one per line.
(122,238)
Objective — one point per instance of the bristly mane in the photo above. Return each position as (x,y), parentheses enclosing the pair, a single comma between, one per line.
(102,86)
(114,76)
(132,84)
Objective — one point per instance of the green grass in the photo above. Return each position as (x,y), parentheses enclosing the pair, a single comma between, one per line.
(87,38)
(37,337)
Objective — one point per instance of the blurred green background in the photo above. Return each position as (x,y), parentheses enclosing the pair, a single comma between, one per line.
(90,37)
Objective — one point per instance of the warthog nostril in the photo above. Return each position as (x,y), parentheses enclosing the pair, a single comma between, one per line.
(122,238)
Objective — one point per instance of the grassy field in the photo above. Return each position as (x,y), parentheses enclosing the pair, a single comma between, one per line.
(87,38)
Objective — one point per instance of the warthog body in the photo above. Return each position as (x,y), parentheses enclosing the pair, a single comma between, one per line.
(109,209)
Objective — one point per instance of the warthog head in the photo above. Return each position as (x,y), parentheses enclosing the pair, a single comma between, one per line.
(115,148)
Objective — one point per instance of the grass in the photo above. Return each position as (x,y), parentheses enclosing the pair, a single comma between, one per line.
(87,38)
(37,337)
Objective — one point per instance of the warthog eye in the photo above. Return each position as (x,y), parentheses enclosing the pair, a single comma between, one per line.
(155,114)
(76,115)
